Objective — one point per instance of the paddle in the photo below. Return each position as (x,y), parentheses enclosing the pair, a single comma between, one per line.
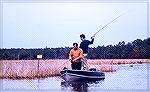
(62,64)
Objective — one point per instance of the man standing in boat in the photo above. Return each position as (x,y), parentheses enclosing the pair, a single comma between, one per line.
(84,45)
(75,56)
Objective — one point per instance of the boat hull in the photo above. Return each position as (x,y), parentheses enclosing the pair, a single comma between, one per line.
(81,75)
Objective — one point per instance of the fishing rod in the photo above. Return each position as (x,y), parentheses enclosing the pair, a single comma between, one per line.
(108,24)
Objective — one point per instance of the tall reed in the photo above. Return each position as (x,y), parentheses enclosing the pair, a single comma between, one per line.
(28,69)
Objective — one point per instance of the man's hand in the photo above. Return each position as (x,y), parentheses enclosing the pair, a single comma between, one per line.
(70,59)
(92,37)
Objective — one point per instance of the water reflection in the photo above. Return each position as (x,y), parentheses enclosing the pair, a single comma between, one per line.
(78,86)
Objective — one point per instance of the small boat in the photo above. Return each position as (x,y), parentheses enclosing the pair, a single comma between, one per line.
(82,75)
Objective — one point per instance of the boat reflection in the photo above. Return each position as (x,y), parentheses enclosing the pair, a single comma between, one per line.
(78,86)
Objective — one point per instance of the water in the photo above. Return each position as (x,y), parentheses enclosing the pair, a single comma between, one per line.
(126,77)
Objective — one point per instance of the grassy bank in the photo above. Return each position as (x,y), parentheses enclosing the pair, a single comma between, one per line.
(28,69)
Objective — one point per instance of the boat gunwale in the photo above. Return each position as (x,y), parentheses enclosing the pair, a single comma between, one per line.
(91,77)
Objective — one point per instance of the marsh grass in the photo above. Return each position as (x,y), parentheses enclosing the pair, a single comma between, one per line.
(28,69)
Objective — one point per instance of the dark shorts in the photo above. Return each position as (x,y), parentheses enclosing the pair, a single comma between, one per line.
(76,65)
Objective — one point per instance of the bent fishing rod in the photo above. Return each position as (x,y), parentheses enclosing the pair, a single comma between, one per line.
(108,24)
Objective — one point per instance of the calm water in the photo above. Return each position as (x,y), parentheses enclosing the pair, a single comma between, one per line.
(126,77)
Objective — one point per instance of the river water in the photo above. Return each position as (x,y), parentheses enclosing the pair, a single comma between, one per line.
(126,77)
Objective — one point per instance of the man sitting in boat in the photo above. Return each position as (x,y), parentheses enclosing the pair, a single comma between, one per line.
(75,56)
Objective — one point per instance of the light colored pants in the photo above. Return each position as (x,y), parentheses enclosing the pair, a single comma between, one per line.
(84,63)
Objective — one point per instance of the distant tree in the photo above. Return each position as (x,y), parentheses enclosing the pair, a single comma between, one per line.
(135,49)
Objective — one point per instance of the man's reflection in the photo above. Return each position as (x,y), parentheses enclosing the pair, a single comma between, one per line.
(78,86)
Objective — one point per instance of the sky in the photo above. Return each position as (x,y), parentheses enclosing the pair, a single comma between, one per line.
(37,25)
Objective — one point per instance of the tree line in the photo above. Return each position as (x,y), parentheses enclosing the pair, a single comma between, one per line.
(138,49)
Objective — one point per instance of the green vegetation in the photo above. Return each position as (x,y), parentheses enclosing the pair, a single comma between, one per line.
(137,49)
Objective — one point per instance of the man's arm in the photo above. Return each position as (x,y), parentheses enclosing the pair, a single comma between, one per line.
(91,42)
(70,55)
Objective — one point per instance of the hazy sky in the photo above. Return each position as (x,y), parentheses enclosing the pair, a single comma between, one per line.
(37,25)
